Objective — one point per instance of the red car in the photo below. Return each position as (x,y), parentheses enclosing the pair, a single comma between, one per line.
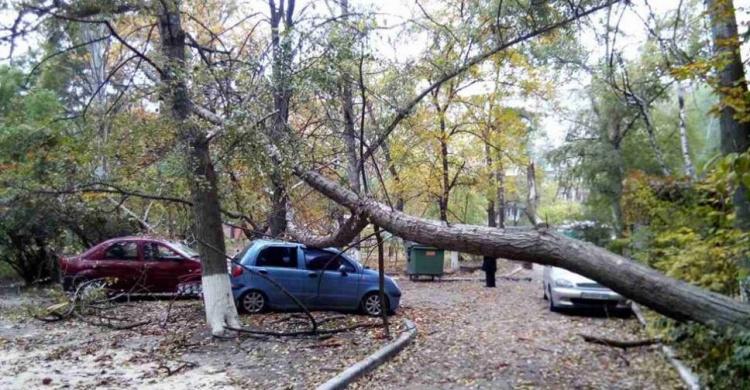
(136,265)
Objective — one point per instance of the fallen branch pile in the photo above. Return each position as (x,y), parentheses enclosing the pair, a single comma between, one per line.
(91,304)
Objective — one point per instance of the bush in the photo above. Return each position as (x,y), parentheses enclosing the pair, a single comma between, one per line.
(721,358)
(35,231)
(686,230)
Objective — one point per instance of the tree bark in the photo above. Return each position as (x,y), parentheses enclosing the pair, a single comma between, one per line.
(491,219)
(671,297)
(689,169)
(217,295)
(532,200)
(735,135)
(281,74)
(350,133)
(489,264)
(500,183)
(646,113)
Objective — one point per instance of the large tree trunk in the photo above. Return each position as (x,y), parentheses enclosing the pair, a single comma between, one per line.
(689,169)
(500,201)
(217,294)
(350,133)
(532,200)
(735,135)
(489,264)
(671,297)
(281,75)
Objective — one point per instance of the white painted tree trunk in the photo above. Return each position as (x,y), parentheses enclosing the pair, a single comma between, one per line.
(454,261)
(356,254)
(220,309)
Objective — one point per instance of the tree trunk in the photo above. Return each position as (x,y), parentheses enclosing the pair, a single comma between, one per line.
(400,201)
(217,294)
(281,74)
(646,112)
(735,135)
(671,297)
(445,195)
(350,133)
(689,169)
(500,183)
(489,264)
(381,282)
(491,219)
(532,200)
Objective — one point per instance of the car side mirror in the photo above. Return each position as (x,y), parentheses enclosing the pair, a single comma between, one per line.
(342,269)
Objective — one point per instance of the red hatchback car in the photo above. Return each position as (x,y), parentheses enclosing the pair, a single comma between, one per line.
(136,265)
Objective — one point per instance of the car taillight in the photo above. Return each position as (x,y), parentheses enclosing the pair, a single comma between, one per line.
(236,270)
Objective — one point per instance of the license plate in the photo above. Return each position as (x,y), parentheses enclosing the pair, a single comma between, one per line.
(595,296)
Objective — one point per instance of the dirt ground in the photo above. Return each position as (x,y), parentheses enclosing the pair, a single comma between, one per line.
(469,337)
(506,338)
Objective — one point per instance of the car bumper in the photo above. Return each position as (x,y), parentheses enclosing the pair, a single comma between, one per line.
(394,300)
(577,297)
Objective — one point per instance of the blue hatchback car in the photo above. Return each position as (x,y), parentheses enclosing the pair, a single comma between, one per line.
(320,278)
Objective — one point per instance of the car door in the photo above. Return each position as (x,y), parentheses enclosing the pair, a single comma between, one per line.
(165,268)
(122,263)
(332,288)
(281,264)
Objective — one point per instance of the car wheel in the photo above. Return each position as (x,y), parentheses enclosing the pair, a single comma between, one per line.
(551,301)
(91,289)
(544,292)
(253,302)
(371,304)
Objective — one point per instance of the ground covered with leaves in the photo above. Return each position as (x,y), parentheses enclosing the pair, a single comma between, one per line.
(469,337)
(474,337)
(179,353)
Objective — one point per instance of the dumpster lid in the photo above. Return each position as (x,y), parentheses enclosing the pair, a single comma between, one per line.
(424,247)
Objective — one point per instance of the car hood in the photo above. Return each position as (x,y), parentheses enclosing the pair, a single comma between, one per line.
(373,272)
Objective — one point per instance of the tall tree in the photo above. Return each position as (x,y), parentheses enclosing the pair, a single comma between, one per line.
(201,175)
(282,16)
(732,87)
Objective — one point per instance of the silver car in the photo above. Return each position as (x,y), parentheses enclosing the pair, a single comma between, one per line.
(565,289)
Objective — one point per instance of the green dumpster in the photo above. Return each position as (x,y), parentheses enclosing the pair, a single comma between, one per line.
(424,260)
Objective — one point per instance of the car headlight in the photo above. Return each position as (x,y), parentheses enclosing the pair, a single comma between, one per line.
(563,283)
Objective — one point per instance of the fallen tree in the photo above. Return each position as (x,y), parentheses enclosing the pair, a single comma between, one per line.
(668,296)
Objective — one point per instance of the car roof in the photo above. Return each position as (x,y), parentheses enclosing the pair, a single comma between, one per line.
(135,238)
(265,241)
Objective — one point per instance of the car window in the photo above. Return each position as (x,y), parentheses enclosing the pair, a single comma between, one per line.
(153,251)
(317,259)
(185,249)
(277,256)
(122,251)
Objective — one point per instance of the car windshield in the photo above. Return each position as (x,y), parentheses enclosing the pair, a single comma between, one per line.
(184,249)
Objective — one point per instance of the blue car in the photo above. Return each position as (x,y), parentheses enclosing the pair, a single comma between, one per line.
(324,279)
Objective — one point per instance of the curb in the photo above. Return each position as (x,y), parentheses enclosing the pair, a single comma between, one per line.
(689,378)
(371,362)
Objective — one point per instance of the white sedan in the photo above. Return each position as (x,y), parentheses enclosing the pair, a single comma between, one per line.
(565,289)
